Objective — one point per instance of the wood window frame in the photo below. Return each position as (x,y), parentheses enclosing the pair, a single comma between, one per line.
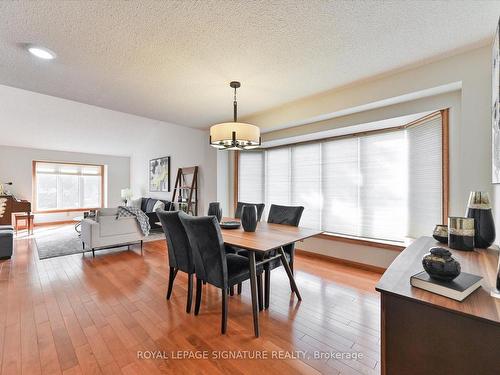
(445,174)
(34,187)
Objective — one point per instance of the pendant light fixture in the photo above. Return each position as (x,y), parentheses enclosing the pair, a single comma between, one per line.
(235,135)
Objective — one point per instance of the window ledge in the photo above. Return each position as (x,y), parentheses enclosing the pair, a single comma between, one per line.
(382,244)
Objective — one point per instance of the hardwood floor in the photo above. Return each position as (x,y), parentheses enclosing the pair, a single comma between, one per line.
(78,315)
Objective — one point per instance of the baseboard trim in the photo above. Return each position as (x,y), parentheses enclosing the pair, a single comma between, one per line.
(345,262)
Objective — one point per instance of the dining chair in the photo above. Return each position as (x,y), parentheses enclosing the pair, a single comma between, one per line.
(239,209)
(287,215)
(212,263)
(180,255)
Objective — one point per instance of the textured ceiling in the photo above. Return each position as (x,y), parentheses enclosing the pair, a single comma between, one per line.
(173,60)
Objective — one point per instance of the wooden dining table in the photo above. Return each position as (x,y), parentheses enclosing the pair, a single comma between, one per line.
(267,237)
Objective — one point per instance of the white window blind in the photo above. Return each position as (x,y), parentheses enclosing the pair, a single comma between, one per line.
(251,177)
(383,186)
(60,186)
(424,177)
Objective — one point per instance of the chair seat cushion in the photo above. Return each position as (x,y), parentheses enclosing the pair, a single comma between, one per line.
(238,269)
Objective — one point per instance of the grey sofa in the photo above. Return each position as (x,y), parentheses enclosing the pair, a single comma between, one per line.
(6,241)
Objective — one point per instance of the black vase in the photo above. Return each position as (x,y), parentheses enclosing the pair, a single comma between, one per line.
(215,210)
(249,218)
(479,208)
(439,264)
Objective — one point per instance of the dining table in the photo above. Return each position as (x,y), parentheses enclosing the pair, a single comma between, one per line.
(266,238)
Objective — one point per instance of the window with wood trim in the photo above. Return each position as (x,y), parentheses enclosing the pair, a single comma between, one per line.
(67,186)
(389,184)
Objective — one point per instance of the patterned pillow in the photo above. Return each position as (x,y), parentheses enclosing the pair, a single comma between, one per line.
(159,205)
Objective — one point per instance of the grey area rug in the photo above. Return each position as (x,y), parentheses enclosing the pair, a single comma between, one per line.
(60,241)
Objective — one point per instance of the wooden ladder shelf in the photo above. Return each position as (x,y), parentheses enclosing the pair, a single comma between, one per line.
(186,190)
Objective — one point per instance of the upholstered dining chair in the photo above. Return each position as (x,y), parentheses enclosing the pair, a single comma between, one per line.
(212,263)
(287,215)
(180,255)
(239,209)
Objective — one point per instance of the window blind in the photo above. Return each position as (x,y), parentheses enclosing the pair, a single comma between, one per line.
(384,186)
(251,177)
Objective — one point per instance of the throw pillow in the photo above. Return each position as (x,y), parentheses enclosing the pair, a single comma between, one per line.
(134,203)
(159,205)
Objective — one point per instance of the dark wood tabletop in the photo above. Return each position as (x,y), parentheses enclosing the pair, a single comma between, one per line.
(266,237)
(482,262)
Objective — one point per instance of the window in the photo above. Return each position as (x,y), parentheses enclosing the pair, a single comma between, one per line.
(60,186)
(385,185)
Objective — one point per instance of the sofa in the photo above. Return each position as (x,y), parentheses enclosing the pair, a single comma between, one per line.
(6,241)
(147,205)
(107,231)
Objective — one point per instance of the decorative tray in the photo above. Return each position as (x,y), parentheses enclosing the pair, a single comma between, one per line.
(230,224)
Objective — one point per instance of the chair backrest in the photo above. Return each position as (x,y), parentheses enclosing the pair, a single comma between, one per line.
(213,208)
(180,254)
(239,208)
(208,248)
(288,215)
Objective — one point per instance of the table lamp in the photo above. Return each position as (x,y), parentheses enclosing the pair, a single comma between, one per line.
(126,194)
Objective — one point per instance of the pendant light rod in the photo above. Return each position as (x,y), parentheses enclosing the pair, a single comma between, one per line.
(235,85)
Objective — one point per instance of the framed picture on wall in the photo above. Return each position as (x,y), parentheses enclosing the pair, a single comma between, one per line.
(159,174)
(495,110)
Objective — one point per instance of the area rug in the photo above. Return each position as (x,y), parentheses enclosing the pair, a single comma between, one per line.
(59,241)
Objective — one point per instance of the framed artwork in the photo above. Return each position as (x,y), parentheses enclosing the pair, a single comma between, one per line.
(495,110)
(159,174)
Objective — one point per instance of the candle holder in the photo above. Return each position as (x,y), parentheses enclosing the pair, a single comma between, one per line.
(461,233)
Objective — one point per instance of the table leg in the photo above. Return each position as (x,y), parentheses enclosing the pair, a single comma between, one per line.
(289,273)
(253,287)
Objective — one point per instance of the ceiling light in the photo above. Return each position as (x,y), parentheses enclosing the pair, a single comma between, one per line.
(235,135)
(41,52)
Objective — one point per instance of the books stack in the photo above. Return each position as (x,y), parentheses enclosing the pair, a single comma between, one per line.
(458,289)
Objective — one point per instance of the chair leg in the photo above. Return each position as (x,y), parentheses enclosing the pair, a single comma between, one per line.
(93,253)
(239,288)
(142,242)
(267,286)
(204,282)
(259,292)
(199,289)
(231,291)
(223,327)
(171,278)
(190,293)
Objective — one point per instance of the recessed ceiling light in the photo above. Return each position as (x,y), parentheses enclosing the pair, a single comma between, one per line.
(41,52)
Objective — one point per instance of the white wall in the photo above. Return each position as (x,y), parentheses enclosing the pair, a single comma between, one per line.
(470,126)
(33,120)
(16,167)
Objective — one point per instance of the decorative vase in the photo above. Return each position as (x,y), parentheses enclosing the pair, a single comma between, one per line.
(461,233)
(479,208)
(439,264)
(249,218)
(440,233)
(215,210)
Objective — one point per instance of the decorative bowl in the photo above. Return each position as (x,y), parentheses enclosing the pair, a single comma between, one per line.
(230,224)
(440,233)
